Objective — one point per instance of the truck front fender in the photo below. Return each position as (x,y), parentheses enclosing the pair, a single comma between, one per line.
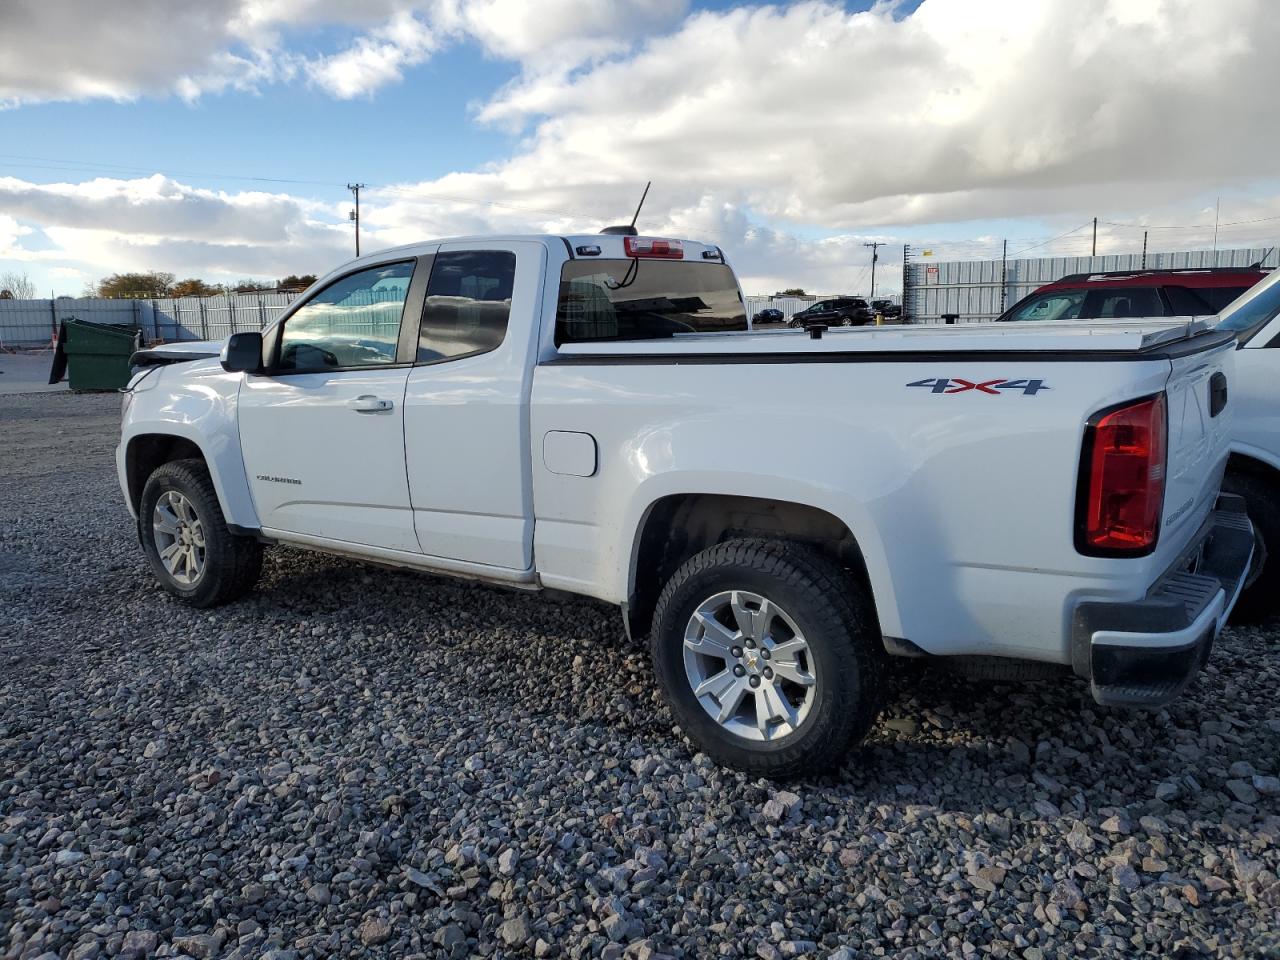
(195,403)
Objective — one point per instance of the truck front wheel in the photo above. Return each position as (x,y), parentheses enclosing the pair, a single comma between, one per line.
(186,540)
(764,658)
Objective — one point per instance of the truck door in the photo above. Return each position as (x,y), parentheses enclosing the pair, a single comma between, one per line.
(466,404)
(323,430)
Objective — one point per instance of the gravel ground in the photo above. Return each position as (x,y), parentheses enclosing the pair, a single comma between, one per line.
(356,762)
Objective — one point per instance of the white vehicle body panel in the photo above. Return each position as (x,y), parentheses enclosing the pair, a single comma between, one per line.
(962,502)
(1255,390)
(292,429)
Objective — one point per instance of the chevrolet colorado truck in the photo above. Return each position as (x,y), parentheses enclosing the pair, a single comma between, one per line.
(782,514)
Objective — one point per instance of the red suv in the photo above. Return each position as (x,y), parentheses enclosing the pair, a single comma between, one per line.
(1136,293)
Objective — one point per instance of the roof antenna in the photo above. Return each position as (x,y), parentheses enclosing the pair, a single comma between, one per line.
(629,230)
(1258,264)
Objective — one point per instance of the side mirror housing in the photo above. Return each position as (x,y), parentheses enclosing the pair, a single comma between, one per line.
(243,353)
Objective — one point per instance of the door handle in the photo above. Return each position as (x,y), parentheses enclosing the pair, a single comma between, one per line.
(369,404)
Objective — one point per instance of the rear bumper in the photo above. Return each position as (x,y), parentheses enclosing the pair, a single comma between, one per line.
(1143,653)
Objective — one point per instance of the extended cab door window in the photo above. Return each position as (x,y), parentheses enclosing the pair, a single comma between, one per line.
(468,304)
(352,323)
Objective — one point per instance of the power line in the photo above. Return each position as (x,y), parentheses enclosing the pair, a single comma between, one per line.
(1060,236)
(95,166)
(1187,226)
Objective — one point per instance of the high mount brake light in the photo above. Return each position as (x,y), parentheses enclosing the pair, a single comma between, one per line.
(1122,475)
(656,249)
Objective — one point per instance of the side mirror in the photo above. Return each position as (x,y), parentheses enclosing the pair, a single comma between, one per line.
(243,353)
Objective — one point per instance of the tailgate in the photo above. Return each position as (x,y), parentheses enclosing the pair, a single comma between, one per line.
(1199,434)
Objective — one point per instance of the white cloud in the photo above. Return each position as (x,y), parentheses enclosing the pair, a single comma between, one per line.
(58,50)
(376,59)
(812,114)
(105,225)
(65,50)
(561,34)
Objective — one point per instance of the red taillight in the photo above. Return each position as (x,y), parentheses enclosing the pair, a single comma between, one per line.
(658,249)
(1122,477)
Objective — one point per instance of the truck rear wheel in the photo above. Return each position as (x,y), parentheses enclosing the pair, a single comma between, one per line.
(764,659)
(1261,596)
(186,540)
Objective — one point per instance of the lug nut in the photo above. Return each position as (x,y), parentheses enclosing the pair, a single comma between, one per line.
(736,651)
(751,644)
(768,673)
(739,671)
(764,652)
(755,681)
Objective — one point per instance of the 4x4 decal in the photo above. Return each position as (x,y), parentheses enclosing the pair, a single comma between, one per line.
(1029,388)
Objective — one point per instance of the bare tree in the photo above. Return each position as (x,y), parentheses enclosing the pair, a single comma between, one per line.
(19,285)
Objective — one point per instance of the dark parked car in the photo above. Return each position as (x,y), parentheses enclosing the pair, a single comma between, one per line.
(768,315)
(887,309)
(1136,293)
(838,312)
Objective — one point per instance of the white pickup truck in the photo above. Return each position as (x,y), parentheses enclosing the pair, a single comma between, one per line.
(782,513)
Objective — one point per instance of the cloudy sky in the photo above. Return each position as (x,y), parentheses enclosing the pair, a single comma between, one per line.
(215,138)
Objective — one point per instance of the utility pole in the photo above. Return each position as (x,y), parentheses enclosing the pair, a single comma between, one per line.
(875,246)
(1144,249)
(355,214)
(1094,251)
(1217,210)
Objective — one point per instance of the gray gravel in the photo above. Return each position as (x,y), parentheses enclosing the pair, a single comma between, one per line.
(356,762)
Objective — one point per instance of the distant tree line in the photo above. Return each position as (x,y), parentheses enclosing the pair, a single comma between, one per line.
(157,284)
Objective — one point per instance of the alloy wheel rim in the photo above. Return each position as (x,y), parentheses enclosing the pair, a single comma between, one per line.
(179,536)
(749,665)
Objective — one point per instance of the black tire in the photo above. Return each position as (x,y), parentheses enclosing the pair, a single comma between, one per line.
(1261,596)
(232,564)
(834,614)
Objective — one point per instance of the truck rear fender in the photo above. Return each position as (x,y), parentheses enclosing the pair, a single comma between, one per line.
(675,515)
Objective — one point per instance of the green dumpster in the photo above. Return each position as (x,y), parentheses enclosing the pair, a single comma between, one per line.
(94,356)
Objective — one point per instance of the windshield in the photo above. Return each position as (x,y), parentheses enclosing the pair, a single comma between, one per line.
(645,299)
(1253,308)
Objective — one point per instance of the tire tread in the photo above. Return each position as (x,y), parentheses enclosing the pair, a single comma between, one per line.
(234,563)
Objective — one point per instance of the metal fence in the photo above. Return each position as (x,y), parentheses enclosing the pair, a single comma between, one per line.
(29,323)
(980,290)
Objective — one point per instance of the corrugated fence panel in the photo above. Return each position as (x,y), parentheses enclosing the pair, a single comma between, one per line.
(30,323)
(972,288)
